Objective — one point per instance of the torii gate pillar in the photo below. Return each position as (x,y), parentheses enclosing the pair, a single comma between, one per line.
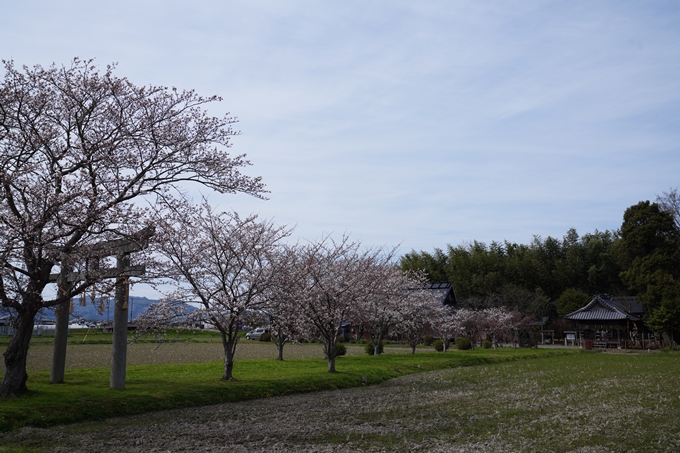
(120,326)
(65,280)
(60,339)
(61,327)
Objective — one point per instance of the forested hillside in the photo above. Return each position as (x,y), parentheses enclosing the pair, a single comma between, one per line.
(530,277)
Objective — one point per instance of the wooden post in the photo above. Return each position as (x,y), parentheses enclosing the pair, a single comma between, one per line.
(60,341)
(120,325)
(64,286)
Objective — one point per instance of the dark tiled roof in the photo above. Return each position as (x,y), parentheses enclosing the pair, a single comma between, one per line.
(444,292)
(441,285)
(629,304)
(605,308)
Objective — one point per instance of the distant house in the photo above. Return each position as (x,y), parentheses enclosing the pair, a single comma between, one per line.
(612,322)
(444,292)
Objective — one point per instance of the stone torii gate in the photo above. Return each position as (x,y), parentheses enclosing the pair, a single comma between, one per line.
(121,249)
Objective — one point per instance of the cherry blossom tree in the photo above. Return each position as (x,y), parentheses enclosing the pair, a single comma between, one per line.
(282,308)
(446,323)
(449,323)
(222,262)
(496,322)
(80,152)
(335,282)
(516,322)
(469,323)
(419,311)
(392,294)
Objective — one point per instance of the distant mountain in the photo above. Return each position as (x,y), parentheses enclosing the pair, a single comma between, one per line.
(90,312)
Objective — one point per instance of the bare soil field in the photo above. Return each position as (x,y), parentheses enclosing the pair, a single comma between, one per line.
(99,355)
(581,403)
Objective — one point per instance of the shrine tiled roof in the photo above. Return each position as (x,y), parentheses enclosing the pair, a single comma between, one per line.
(444,292)
(605,308)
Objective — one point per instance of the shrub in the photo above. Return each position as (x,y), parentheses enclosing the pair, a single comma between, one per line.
(368,348)
(438,345)
(463,343)
(428,340)
(340,349)
(487,344)
(266,337)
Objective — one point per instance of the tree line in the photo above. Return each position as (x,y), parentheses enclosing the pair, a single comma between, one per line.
(94,168)
(553,277)
(228,271)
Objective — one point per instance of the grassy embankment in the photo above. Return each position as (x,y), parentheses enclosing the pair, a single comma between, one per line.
(85,394)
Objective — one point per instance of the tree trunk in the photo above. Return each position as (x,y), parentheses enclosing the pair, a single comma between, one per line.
(228,374)
(14,382)
(280,348)
(376,346)
(279,345)
(229,345)
(330,355)
(413,348)
(331,365)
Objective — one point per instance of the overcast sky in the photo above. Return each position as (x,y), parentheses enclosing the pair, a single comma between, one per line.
(400,122)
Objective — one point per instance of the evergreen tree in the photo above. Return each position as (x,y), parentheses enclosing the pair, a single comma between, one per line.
(648,253)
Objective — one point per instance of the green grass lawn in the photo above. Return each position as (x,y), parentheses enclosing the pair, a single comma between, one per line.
(86,395)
